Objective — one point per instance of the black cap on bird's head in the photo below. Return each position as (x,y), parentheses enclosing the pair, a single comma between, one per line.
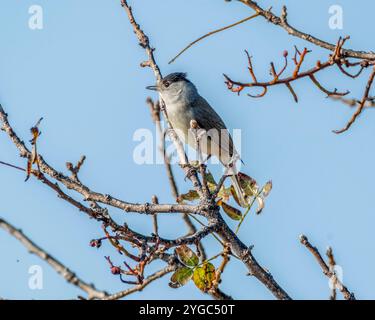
(175,77)
(168,80)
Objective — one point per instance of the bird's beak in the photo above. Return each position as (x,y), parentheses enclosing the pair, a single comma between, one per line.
(155,88)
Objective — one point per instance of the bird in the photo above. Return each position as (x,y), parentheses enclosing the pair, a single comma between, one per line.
(184,107)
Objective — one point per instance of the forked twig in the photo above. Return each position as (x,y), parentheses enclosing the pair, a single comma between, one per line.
(326,269)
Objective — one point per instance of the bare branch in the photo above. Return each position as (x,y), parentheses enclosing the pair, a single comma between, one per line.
(75,169)
(337,58)
(60,268)
(283,23)
(326,269)
(361,105)
(255,269)
(299,58)
(155,200)
(332,264)
(157,275)
(354,102)
(88,194)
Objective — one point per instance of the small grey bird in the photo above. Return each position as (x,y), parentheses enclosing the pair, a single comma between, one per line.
(184,105)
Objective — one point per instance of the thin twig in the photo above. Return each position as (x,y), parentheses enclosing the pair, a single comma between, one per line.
(60,268)
(139,287)
(332,264)
(210,34)
(325,268)
(155,217)
(282,22)
(361,105)
(12,166)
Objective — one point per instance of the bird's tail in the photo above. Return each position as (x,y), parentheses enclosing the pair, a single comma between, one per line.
(239,191)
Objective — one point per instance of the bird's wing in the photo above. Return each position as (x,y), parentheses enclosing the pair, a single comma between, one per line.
(208,119)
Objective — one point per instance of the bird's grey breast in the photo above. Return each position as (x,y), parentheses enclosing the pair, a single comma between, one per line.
(180,114)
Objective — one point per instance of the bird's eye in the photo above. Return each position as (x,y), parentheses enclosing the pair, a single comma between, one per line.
(166,84)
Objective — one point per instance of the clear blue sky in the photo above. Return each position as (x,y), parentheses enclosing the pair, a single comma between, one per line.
(81,73)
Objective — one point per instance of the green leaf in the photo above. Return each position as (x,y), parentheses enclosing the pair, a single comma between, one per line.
(232,212)
(194,163)
(210,178)
(248,184)
(181,277)
(187,256)
(211,183)
(190,196)
(204,276)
